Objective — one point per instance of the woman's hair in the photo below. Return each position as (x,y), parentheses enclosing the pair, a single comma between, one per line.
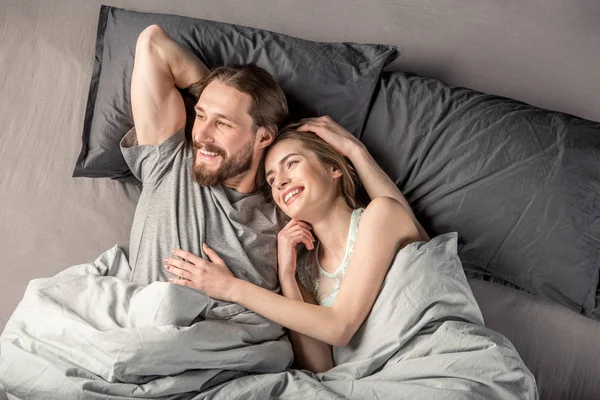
(268,106)
(326,154)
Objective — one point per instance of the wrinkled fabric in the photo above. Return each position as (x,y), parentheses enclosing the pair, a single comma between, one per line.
(335,79)
(518,182)
(86,334)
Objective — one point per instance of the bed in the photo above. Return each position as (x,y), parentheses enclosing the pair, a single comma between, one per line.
(541,55)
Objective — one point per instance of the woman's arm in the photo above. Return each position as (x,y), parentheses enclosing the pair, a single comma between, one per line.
(375,181)
(310,353)
(385,227)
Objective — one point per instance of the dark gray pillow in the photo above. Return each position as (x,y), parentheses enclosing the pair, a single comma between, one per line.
(521,185)
(337,79)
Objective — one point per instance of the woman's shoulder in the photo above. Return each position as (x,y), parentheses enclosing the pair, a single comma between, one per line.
(384,207)
(390,217)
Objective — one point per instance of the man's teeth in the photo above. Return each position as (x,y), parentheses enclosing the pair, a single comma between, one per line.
(291,194)
(208,153)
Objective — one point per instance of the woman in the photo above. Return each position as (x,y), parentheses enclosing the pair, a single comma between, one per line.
(314,185)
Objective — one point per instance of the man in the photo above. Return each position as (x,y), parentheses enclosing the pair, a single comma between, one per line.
(205,191)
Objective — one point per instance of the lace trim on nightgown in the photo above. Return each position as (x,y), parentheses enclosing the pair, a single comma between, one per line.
(324,285)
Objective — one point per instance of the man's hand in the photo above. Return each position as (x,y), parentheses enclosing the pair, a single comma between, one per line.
(211,276)
(333,133)
(288,238)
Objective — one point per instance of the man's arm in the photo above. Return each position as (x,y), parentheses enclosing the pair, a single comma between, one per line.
(373,178)
(161,66)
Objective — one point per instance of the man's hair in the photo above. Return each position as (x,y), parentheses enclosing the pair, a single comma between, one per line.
(327,155)
(268,106)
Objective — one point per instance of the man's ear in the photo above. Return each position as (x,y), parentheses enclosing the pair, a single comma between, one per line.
(265,136)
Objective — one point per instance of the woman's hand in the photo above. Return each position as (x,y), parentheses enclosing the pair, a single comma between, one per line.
(331,132)
(211,276)
(288,238)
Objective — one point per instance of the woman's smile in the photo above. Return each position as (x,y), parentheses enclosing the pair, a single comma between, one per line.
(290,195)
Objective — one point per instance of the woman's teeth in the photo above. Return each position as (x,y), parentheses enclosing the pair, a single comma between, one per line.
(290,195)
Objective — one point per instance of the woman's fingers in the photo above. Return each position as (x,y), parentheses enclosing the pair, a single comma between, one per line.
(301,236)
(182,282)
(308,242)
(288,232)
(294,231)
(184,267)
(186,255)
(178,267)
(212,255)
(295,222)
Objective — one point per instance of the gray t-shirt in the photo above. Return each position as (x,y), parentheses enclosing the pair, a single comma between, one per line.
(175,212)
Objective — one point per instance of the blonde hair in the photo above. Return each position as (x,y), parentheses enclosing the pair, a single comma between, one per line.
(327,155)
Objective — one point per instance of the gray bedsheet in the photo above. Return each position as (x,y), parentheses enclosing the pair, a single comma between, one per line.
(86,333)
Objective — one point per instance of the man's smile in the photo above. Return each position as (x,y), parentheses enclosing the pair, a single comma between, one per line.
(206,155)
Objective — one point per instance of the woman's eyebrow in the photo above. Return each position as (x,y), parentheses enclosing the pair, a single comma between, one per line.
(269,172)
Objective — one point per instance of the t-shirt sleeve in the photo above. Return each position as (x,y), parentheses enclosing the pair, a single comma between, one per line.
(149,163)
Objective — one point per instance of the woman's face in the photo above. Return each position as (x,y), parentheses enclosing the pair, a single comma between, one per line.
(300,183)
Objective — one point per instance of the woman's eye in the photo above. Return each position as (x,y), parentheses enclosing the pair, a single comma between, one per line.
(291,163)
(199,116)
(270,181)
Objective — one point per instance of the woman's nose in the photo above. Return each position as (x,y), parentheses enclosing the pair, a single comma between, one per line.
(282,182)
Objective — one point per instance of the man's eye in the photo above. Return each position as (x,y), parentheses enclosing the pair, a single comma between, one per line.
(199,116)
(223,124)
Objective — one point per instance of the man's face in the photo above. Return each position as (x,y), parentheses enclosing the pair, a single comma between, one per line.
(223,136)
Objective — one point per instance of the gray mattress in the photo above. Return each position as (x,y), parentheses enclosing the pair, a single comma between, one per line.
(542,53)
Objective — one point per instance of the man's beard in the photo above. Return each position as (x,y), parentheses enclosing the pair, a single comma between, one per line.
(230,167)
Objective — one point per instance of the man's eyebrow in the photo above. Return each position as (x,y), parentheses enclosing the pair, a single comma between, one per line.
(200,109)
(269,172)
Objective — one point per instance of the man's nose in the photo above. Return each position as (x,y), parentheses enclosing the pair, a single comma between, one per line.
(202,132)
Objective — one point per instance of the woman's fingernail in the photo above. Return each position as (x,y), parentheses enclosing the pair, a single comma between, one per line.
(173,251)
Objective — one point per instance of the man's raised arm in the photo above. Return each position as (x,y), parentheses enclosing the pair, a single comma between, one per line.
(161,66)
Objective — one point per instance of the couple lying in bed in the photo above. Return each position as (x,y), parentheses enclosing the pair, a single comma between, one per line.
(224,227)
(350,249)
(374,308)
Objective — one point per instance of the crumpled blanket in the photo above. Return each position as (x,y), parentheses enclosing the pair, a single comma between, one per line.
(88,334)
